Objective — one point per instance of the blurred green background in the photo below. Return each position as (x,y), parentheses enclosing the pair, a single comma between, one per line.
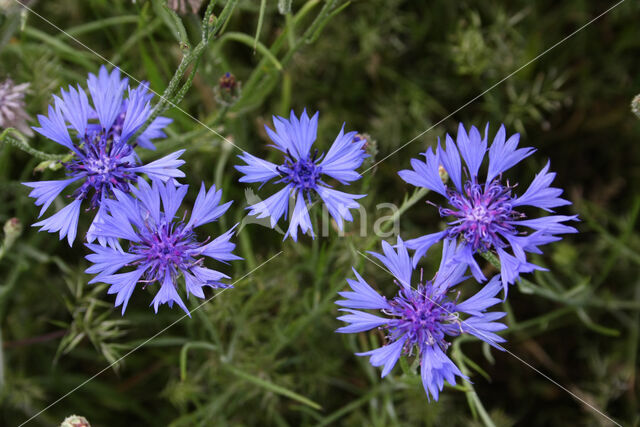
(265,353)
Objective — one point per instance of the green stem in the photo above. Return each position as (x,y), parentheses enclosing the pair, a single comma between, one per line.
(174,92)
(20,142)
(472,396)
(185,349)
(98,25)
(255,44)
(263,6)
(417,195)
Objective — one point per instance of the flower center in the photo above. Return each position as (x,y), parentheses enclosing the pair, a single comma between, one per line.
(424,319)
(100,166)
(104,164)
(166,249)
(481,213)
(303,173)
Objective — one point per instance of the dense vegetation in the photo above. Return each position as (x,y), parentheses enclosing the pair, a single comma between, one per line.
(265,352)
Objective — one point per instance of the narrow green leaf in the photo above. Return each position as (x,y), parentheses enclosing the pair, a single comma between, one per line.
(273,387)
(263,6)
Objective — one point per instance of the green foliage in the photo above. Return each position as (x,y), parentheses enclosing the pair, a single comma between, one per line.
(265,352)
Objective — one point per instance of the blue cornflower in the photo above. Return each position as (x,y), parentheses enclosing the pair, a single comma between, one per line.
(103,159)
(161,247)
(303,172)
(485,213)
(419,319)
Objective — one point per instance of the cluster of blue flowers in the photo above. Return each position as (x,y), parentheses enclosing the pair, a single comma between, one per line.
(485,216)
(137,238)
(131,229)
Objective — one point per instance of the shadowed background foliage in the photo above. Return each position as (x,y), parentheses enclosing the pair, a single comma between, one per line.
(265,352)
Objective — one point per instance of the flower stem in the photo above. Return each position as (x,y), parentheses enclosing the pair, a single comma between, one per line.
(18,140)
(174,93)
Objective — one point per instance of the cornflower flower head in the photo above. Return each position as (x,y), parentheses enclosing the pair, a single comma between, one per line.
(103,159)
(486,213)
(419,320)
(12,107)
(162,248)
(303,172)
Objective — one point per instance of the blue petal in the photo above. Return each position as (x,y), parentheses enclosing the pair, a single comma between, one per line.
(550,224)
(75,108)
(386,355)
(425,174)
(107,261)
(294,136)
(280,137)
(55,128)
(45,192)
(273,207)
(451,161)
(483,327)
(422,244)
(435,368)
(299,218)
(193,285)
(65,221)
(107,91)
(451,270)
(472,148)
(483,299)
(338,203)
(206,209)
(360,321)
(221,247)
(540,194)
(116,228)
(153,131)
(168,294)
(530,243)
(127,208)
(465,255)
(344,157)
(123,284)
(209,277)
(511,267)
(363,295)
(138,111)
(398,263)
(503,155)
(256,170)
(164,168)
(172,197)
(304,131)
(93,233)
(149,196)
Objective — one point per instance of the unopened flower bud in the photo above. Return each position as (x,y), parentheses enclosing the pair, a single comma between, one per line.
(12,230)
(75,421)
(228,89)
(370,147)
(635,106)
